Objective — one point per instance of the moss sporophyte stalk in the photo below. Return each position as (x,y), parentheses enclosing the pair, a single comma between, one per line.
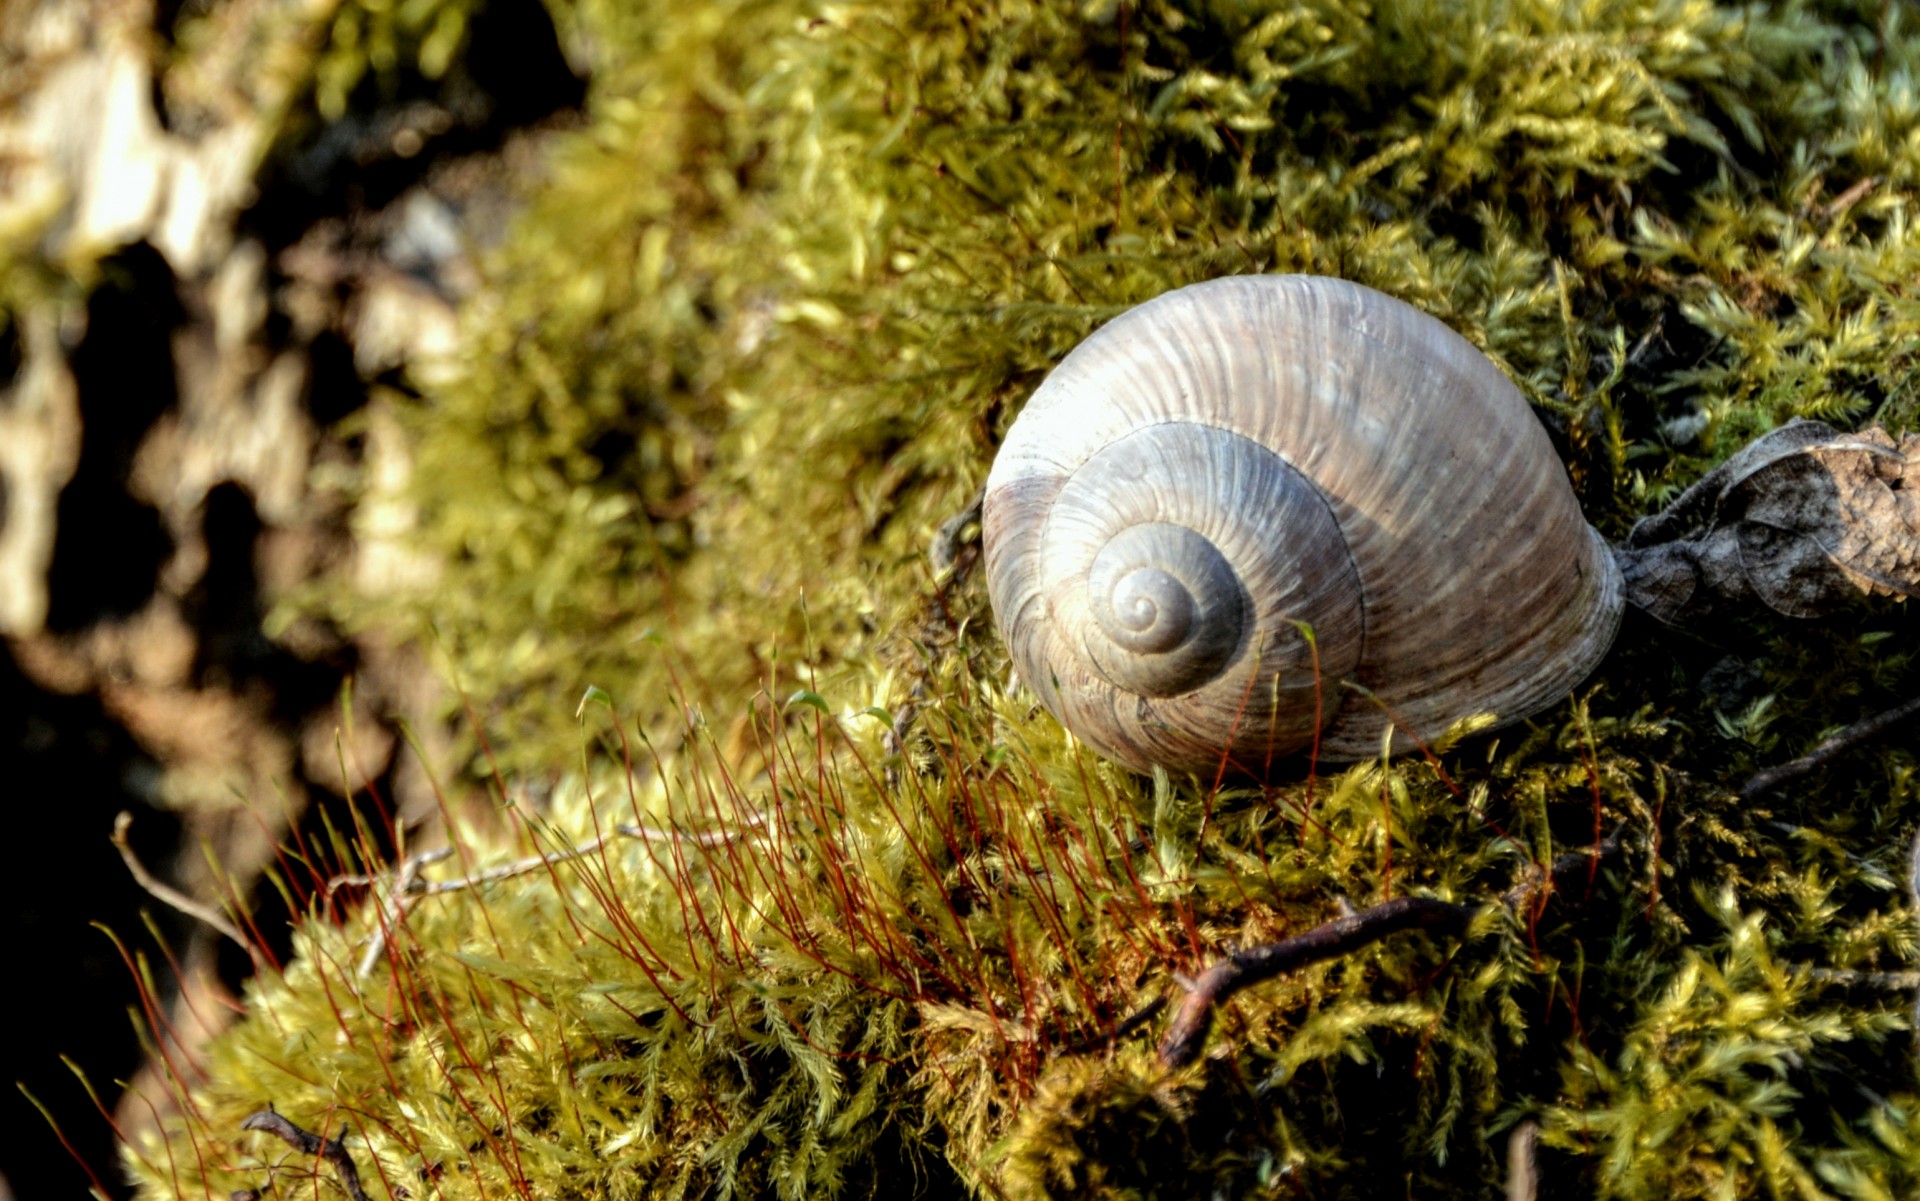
(752,341)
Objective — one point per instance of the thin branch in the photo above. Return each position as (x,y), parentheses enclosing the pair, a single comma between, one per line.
(1845,740)
(165,893)
(1890,981)
(507,871)
(1186,1037)
(1191,1023)
(395,904)
(1523,1177)
(1852,196)
(1126,1026)
(708,838)
(1913,893)
(407,888)
(409,870)
(533,863)
(333,1150)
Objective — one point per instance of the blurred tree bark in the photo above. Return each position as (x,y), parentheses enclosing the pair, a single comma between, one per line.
(212,292)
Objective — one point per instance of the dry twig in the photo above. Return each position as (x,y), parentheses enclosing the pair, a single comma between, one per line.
(394,903)
(1855,734)
(333,1150)
(165,893)
(1107,1039)
(1889,981)
(1913,894)
(408,888)
(1523,1176)
(1187,1035)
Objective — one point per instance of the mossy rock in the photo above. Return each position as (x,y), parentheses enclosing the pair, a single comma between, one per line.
(753,342)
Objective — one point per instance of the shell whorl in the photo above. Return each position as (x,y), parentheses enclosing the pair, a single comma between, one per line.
(1235,497)
(1168,609)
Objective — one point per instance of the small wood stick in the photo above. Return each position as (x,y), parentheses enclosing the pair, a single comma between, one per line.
(165,893)
(1913,893)
(1523,1178)
(1852,196)
(1187,1035)
(395,903)
(408,887)
(1845,740)
(332,1150)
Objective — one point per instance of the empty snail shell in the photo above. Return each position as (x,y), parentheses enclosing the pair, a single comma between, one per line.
(1265,508)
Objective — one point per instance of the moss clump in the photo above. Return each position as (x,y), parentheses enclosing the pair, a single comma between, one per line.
(755,337)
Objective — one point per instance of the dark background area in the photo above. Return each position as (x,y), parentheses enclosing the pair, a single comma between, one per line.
(70,769)
(70,763)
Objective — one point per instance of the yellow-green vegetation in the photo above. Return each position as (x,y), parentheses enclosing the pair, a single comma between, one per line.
(754,340)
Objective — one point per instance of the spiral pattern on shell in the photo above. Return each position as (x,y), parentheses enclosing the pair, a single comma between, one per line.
(1265,507)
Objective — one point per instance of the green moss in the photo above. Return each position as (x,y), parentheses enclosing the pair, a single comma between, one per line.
(755,338)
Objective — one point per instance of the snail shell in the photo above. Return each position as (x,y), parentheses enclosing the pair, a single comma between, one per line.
(1237,502)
